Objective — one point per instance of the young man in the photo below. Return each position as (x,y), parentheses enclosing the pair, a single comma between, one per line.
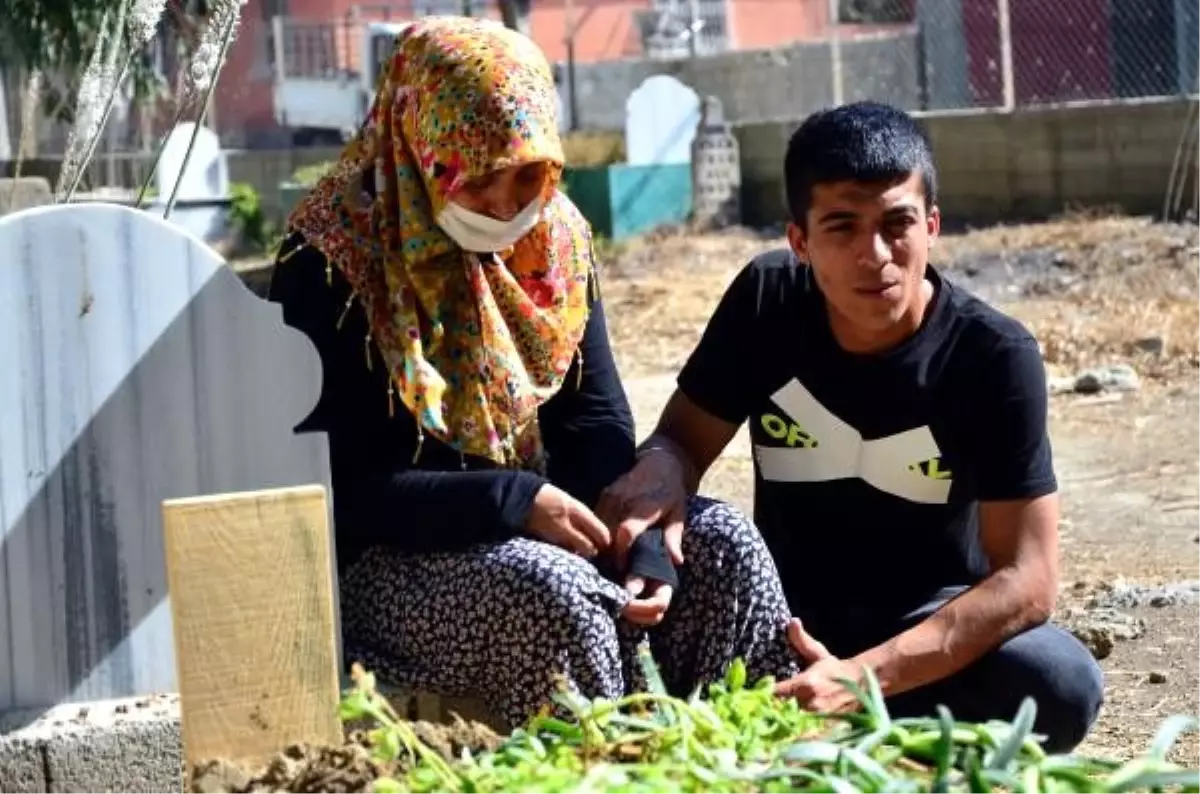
(903,475)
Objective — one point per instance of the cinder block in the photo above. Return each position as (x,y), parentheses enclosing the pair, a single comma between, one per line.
(143,756)
(22,766)
(130,744)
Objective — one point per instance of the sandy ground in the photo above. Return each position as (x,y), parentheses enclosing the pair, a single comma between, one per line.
(1097,292)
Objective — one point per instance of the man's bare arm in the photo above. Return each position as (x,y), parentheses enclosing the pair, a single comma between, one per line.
(1020,538)
(692,435)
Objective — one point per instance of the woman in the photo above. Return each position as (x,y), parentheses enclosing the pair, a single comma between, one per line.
(473,408)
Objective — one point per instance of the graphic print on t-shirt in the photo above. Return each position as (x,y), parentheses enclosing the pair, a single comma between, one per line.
(821,446)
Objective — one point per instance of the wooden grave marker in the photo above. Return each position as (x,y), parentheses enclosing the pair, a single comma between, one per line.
(251,586)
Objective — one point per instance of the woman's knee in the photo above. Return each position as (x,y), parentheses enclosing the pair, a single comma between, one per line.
(717,526)
(565,592)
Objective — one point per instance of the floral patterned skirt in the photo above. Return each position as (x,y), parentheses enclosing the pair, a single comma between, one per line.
(508,622)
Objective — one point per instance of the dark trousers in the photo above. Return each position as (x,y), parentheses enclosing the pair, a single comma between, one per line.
(1045,663)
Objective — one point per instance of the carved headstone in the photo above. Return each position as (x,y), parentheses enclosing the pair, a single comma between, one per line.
(660,122)
(137,368)
(716,169)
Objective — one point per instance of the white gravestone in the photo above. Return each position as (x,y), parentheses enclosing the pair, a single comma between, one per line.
(137,367)
(207,172)
(660,122)
(201,205)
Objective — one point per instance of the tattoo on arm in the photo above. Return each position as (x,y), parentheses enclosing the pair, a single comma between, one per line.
(657,491)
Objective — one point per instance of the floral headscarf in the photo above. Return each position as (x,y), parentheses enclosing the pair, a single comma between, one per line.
(473,346)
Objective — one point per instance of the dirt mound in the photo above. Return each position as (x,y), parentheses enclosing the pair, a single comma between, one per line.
(349,768)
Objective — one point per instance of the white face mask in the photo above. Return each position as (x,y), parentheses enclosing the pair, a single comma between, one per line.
(481,234)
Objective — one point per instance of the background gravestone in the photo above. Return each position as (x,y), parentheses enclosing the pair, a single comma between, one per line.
(716,169)
(137,368)
(207,173)
(24,192)
(660,122)
(653,187)
(203,199)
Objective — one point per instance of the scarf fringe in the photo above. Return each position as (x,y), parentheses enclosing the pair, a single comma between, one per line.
(593,289)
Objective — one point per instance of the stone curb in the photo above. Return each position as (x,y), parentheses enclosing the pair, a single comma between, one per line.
(128,744)
(134,744)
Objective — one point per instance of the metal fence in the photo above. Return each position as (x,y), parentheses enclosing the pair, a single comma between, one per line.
(332,46)
(981,53)
(765,59)
(1012,53)
(960,53)
(776,59)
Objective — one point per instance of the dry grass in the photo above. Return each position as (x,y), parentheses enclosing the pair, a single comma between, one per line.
(1117,280)
(585,149)
(660,290)
(1124,278)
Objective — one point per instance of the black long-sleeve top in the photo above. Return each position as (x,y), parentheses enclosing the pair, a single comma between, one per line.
(446,501)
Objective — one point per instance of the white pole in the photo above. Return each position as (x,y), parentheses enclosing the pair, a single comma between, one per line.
(1182,34)
(6,152)
(835,51)
(1006,61)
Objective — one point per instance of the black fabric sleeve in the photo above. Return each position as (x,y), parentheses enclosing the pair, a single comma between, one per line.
(715,375)
(589,434)
(380,496)
(649,558)
(434,511)
(1013,453)
(587,427)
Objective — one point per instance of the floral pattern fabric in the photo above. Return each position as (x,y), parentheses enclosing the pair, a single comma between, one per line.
(473,345)
(507,622)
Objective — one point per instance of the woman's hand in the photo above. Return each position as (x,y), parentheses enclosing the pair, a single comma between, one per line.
(649,603)
(562,520)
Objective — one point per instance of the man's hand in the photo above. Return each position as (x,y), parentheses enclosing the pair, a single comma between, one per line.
(820,687)
(651,494)
(685,442)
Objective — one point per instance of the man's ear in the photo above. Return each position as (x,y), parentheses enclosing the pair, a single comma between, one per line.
(798,241)
(933,224)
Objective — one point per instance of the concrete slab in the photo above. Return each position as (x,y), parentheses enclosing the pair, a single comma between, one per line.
(22,766)
(129,744)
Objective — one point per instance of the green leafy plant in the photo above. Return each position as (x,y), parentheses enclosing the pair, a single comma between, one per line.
(739,737)
(248,219)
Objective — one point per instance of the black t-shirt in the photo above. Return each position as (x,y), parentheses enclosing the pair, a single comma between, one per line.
(868,469)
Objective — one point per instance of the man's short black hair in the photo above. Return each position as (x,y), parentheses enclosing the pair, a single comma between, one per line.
(860,142)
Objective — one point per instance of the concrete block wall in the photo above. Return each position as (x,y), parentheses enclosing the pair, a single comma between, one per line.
(760,85)
(994,166)
(1029,164)
(127,744)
